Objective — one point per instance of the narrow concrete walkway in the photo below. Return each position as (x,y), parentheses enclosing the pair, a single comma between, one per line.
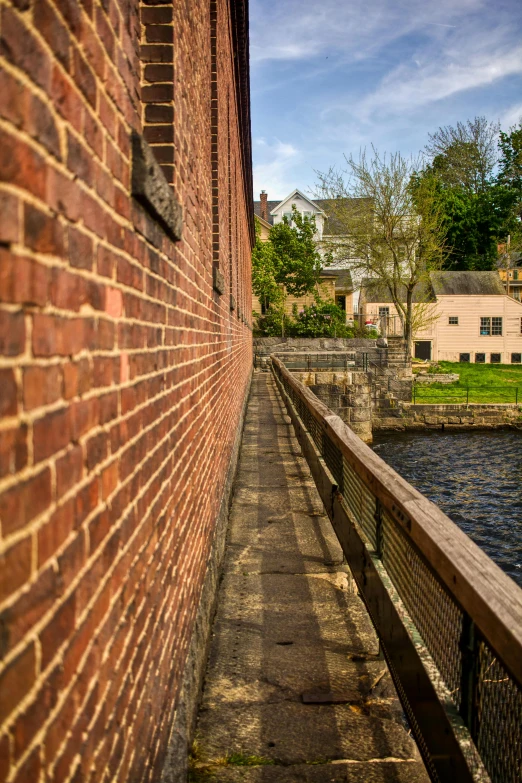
(294,689)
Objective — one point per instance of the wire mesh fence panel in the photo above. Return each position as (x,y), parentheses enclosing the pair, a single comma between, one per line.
(360,501)
(436,616)
(498,719)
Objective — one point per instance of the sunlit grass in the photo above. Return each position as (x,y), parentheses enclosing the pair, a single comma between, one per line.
(478,383)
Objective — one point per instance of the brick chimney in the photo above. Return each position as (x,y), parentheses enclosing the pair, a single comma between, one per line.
(264,205)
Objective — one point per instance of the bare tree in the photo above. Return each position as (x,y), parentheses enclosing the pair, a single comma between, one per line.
(465,155)
(387,223)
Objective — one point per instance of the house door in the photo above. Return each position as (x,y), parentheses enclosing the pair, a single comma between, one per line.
(423,349)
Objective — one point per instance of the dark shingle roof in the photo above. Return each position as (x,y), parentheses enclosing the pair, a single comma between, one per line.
(270,206)
(373,290)
(467,283)
(441,284)
(343,277)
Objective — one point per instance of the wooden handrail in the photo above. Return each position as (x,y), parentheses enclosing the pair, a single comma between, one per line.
(490,598)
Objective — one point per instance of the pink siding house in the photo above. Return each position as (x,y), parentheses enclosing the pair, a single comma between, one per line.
(462,317)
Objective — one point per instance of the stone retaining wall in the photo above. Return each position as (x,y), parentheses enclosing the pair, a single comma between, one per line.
(454,417)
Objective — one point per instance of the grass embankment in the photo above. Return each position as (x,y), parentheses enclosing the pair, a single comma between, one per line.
(478,383)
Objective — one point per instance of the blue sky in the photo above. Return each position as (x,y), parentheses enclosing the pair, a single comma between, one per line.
(329,77)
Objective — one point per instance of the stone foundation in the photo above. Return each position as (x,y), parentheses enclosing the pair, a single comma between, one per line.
(454,417)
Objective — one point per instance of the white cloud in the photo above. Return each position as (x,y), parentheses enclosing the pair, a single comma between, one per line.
(511,116)
(456,69)
(302,29)
(273,172)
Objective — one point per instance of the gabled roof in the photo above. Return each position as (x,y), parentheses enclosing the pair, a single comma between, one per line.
(270,206)
(373,291)
(262,220)
(292,195)
(467,284)
(441,284)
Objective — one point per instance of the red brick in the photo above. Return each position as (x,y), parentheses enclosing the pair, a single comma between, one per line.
(86,501)
(68,291)
(157,53)
(21,503)
(9,217)
(58,630)
(96,450)
(80,249)
(84,77)
(31,605)
(30,769)
(51,433)
(13,449)
(79,160)
(15,567)
(158,15)
(16,680)
(159,33)
(12,333)
(54,32)
(66,98)
(43,233)
(41,385)
(28,723)
(21,47)
(110,478)
(22,280)
(69,470)
(55,532)
(8,393)
(5,761)
(21,165)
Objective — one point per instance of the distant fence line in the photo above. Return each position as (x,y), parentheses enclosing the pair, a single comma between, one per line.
(464,395)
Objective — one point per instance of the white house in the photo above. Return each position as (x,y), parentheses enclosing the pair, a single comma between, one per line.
(272,212)
(468,317)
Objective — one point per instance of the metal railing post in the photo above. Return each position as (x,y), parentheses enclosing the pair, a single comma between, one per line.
(468,682)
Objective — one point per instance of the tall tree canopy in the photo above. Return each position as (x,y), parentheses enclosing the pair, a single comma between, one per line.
(389,226)
(476,205)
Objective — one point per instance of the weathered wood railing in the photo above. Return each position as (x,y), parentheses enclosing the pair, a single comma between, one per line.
(448,619)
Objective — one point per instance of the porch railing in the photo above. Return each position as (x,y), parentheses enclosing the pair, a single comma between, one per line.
(448,619)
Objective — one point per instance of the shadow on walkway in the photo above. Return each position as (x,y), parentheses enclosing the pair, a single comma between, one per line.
(294,687)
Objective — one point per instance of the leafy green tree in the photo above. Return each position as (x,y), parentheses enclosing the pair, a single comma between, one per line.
(510,177)
(288,263)
(476,206)
(298,262)
(264,274)
(388,225)
(465,155)
(510,163)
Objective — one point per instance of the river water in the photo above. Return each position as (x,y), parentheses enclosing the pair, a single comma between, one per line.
(474,477)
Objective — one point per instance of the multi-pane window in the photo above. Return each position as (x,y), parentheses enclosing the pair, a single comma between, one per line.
(384,311)
(480,358)
(464,357)
(516,358)
(490,326)
(495,358)
(453,320)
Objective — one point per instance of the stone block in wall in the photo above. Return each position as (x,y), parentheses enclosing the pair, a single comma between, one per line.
(361,414)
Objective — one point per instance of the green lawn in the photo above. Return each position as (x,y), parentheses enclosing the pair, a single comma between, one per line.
(489,383)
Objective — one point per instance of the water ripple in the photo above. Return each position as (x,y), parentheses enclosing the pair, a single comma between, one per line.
(474,477)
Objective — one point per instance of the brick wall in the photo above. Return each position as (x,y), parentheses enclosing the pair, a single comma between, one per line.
(122,371)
